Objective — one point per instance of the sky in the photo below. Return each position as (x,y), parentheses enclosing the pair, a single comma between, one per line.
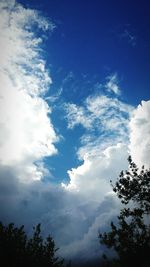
(74,104)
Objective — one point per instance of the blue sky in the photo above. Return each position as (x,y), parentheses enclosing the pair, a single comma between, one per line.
(96,38)
(91,41)
(74,104)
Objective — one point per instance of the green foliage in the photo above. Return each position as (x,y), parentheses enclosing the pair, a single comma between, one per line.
(16,250)
(131,237)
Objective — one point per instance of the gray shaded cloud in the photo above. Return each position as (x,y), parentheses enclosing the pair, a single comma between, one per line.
(72,217)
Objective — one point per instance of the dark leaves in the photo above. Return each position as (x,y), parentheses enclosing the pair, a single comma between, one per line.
(18,250)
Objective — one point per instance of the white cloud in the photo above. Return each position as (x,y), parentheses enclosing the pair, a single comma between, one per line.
(140,135)
(103,160)
(76,115)
(112,84)
(92,178)
(102,113)
(27,134)
(72,214)
(104,147)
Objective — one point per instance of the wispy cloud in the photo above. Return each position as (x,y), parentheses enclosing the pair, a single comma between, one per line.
(130,37)
(112,84)
(72,213)
(101,113)
(27,134)
(77,115)
(127,34)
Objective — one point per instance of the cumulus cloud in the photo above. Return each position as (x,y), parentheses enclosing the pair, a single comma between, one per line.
(72,213)
(97,170)
(104,153)
(140,134)
(104,144)
(113,130)
(27,134)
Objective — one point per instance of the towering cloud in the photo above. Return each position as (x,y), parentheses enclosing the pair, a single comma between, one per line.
(111,129)
(27,134)
(140,134)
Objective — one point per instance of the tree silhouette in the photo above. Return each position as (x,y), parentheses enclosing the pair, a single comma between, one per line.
(17,250)
(131,237)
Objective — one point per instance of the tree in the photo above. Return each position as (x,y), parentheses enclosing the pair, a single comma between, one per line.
(131,237)
(17,250)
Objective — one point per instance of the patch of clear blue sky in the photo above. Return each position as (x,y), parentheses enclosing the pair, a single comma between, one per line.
(93,39)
